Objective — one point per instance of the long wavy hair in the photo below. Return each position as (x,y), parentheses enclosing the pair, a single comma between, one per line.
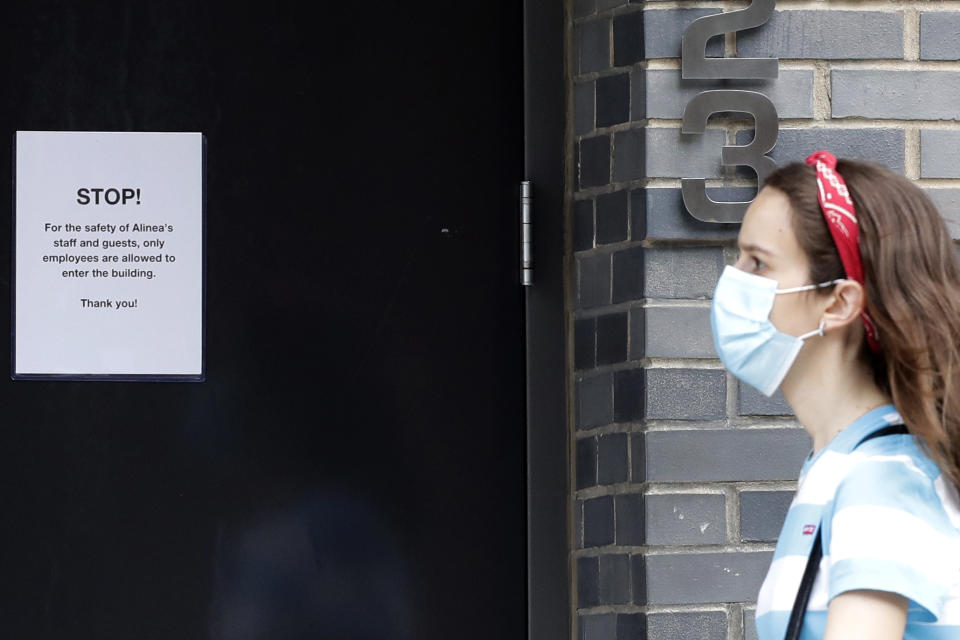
(912,277)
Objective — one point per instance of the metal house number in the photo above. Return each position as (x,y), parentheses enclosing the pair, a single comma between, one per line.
(696,65)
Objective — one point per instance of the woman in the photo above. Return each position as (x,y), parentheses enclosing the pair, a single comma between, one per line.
(846,296)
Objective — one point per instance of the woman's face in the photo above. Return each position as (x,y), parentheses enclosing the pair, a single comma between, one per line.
(769,248)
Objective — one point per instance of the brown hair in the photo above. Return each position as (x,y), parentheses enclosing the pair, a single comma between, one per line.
(912,278)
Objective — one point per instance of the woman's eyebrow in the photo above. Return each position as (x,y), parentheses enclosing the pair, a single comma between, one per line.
(755,249)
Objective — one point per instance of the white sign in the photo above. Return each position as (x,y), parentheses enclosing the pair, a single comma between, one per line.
(109,254)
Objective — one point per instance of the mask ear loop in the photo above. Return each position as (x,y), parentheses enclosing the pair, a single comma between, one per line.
(815,332)
(808,287)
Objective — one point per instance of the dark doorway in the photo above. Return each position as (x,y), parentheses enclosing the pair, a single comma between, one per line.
(353,466)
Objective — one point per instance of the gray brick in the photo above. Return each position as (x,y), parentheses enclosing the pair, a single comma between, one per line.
(671,154)
(585,343)
(681,272)
(638,574)
(628,267)
(883,146)
(593,161)
(595,401)
(668,95)
(583,107)
(725,455)
(627,38)
(629,516)
(750,624)
(664,28)
(582,225)
(762,514)
(638,94)
(598,627)
(588,582)
(638,214)
(940,35)
(612,626)
(705,577)
(678,332)
(612,338)
(615,579)
(686,394)
(707,625)
(629,155)
(638,458)
(612,217)
(598,522)
(666,218)
(578,525)
(902,95)
(631,626)
(825,35)
(679,518)
(612,464)
(637,333)
(938,154)
(586,462)
(613,99)
(593,285)
(751,402)
(628,394)
(593,45)
(947,202)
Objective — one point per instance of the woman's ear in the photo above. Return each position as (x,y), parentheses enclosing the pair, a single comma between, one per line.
(844,305)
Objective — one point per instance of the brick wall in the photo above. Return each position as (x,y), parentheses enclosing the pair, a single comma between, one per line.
(682,476)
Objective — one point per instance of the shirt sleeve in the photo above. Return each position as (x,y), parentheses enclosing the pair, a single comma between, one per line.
(888,531)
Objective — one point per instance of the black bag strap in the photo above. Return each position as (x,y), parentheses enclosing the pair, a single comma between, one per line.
(816,554)
(803,594)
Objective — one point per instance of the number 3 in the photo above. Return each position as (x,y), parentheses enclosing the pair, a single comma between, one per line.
(752,155)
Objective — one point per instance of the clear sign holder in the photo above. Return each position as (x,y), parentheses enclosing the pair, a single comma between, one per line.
(109,256)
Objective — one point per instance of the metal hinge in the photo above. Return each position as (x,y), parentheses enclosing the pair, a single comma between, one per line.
(526,233)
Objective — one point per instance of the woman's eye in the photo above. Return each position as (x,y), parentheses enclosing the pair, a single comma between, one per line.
(750,262)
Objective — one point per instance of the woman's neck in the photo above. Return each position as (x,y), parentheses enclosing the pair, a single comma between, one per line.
(829,399)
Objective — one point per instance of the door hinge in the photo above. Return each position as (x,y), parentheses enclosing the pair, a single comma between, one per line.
(526,233)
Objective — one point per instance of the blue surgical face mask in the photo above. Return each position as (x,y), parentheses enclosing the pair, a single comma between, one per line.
(748,344)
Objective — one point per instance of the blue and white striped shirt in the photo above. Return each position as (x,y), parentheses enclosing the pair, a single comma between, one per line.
(891,522)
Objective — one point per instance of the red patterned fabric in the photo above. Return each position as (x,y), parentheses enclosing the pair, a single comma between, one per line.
(841,217)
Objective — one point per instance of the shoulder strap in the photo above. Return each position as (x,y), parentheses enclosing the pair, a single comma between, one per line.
(816,554)
(803,594)
(885,431)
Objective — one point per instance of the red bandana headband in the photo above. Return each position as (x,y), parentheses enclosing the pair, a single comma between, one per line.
(841,219)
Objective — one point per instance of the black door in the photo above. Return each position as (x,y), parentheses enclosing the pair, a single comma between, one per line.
(353,466)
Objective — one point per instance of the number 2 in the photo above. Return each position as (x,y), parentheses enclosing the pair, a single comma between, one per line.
(696,64)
